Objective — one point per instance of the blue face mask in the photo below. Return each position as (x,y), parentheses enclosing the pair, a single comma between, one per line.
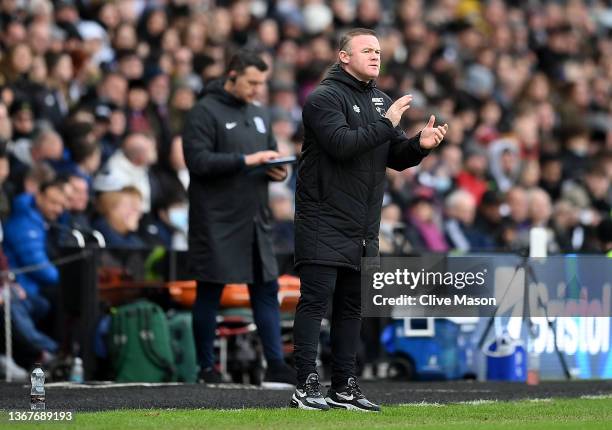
(179,217)
(443,183)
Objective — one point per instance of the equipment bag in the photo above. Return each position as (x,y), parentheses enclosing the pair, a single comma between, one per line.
(139,344)
(183,346)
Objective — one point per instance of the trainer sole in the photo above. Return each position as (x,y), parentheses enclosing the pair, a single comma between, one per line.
(297,403)
(346,406)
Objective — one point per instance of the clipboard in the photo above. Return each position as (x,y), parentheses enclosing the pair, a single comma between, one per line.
(281,161)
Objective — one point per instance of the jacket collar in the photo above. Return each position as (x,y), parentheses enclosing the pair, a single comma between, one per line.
(337,73)
(25,205)
(216,89)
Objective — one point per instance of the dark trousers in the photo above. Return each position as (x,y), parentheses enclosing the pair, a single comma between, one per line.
(317,284)
(266,313)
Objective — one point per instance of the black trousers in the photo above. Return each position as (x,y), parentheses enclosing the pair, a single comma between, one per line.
(318,284)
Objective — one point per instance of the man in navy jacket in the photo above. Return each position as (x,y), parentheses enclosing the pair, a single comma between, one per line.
(225,136)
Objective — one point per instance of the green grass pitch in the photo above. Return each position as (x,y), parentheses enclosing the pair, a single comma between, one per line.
(584,413)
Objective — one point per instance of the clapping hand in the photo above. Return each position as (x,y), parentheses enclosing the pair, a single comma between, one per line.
(432,136)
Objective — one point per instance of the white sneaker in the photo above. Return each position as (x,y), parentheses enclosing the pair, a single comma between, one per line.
(16,373)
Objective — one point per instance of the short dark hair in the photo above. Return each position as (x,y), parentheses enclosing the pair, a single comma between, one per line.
(83,149)
(58,182)
(344,44)
(246,58)
(40,173)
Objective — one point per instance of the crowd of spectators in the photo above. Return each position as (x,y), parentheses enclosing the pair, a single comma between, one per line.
(93,97)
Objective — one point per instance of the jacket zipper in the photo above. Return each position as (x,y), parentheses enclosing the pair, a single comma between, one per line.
(365,224)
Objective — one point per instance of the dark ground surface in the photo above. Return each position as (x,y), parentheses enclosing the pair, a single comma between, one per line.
(15,396)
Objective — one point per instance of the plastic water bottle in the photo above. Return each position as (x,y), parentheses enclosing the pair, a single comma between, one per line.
(37,393)
(76,373)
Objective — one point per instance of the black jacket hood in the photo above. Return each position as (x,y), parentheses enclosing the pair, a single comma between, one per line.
(337,73)
(217,90)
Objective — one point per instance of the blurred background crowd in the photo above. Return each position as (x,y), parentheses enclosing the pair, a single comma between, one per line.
(93,96)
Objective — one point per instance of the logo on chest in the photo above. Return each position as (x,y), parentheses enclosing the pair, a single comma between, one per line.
(379,104)
(260,125)
(356,108)
(381,110)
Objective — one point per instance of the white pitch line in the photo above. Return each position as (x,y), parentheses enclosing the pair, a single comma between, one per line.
(113,385)
(423,404)
(439,405)
(476,402)
(150,384)
(446,390)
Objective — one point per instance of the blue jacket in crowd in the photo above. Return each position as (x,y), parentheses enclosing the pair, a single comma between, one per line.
(25,239)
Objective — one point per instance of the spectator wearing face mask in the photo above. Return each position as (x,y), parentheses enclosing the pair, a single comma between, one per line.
(167,223)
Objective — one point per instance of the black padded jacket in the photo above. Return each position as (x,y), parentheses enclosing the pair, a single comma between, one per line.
(348,144)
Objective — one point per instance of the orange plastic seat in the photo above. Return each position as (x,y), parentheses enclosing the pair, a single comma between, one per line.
(237,295)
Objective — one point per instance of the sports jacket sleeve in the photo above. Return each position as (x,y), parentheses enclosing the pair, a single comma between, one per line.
(323,115)
(405,152)
(29,247)
(199,137)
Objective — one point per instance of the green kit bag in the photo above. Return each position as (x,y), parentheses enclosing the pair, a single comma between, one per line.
(139,344)
(183,346)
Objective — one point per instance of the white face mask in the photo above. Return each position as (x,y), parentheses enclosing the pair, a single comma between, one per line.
(183,176)
(386,228)
(179,217)
(580,151)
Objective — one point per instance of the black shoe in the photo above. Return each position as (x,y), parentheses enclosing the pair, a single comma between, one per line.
(308,396)
(350,397)
(281,374)
(209,376)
